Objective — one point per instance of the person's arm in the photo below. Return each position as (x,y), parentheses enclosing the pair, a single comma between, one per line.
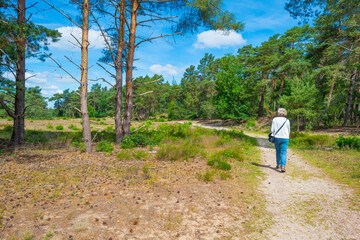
(273,127)
(288,125)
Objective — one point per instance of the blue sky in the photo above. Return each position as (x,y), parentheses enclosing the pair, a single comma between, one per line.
(169,57)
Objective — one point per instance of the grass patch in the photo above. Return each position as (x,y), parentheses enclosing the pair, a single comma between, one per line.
(130,154)
(59,127)
(341,165)
(311,141)
(185,151)
(105,146)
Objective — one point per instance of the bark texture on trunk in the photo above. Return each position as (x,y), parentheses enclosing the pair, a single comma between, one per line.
(350,98)
(118,74)
(18,134)
(281,89)
(330,93)
(84,77)
(129,68)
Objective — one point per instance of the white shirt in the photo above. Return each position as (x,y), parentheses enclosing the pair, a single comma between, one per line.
(284,131)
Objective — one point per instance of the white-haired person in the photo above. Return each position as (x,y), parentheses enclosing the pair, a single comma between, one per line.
(280,128)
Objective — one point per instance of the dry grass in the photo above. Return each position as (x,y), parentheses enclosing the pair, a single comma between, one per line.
(61,193)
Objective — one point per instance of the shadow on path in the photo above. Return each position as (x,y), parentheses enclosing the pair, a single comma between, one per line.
(265,166)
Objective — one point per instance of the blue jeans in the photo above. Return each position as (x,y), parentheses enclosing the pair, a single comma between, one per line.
(281,145)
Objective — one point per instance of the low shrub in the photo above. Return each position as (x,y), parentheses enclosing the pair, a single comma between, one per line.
(59,127)
(73,127)
(79,145)
(305,140)
(110,129)
(104,146)
(135,140)
(208,176)
(348,142)
(49,126)
(175,152)
(33,136)
(219,164)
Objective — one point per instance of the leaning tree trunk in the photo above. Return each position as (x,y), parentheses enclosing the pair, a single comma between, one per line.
(18,134)
(350,98)
(261,100)
(281,89)
(84,77)
(330,94)
(118,74)
(357,118)
(129,69)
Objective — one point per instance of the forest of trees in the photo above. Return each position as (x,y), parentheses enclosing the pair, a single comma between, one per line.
(312,70)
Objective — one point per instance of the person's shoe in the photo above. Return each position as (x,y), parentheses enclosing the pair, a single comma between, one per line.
(283,169)
(277,166)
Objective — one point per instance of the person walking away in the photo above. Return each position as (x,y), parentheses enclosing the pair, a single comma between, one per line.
(281,126)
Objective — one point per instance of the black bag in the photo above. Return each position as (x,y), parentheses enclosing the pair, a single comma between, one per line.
(272,138)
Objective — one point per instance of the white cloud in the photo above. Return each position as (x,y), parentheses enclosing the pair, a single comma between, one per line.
(39,79)
(168,69)
(218,39)
(68,42)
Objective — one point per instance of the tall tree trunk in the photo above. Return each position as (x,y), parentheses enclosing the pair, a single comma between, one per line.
(330,94)
(84,77)
(281,89)
(118,74)
(357,118)
(129,69)
(18,134)
(261,102)
(353,110)
(350,97)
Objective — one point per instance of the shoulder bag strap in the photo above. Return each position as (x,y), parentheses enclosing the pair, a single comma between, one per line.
(280,127)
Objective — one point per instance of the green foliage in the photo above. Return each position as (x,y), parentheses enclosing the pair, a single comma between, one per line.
(301,102)
(208,176)
(348,142)
(104,146)
(135,140)
(73,127)
(185,151)
(305,140)
(232,99)
(219,164)
(79,145)
(50,126)
(59,127)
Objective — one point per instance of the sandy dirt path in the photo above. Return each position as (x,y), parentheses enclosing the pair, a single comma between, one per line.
(303,202)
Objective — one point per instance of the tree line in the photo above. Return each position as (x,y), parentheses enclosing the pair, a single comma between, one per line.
(20,38)
(313,71)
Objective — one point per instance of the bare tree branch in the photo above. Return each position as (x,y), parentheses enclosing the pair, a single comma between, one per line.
(137,129)
(105,38)
(112,75)
(158,19)
(62,13)
(161,36)
(157,80)
(107,63)
(72,62)
(77,40)
(62,68)
(95,80)
(7,109)
(31,77)
(77,109)
(138,95)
